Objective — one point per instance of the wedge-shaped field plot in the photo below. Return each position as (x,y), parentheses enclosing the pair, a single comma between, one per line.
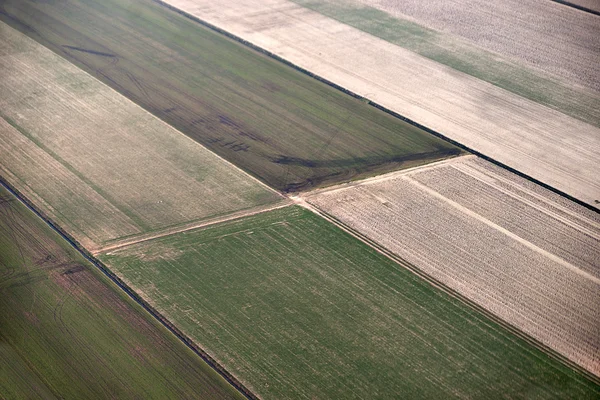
(295,307)
(67,332)
(96,163)
(556,149)
(281,125)
(518,250)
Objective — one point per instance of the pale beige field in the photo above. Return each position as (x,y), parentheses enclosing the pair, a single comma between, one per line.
(520,251)
(96,163)
(543,34)
(536,140)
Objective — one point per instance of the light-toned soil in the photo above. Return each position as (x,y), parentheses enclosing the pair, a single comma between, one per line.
(545,144)
(525,254)
(99,165)
(550,36)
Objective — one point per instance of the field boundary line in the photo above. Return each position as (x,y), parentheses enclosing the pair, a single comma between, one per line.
(191,226)
(371,102)
(134,296)
(577,6)
(385,177)
(300,201)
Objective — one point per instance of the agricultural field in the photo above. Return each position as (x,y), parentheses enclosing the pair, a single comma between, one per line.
(282,126)
(97,164)
(295,307)
(546,35)
(68,332)
(548,145)
(523,253)
(456,52)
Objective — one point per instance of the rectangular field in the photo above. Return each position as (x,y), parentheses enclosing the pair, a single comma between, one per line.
(68,332)
(96,163)
(552,147)
(296,308)
(525,254)
(385,20)
(281,125)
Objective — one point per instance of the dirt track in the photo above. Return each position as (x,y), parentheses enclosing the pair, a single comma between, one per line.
(547,145)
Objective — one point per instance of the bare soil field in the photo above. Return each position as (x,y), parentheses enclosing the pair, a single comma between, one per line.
(520,251)
(97,164)
(543,34)
(68,332)
(296,308)
(547,145)
(462,55)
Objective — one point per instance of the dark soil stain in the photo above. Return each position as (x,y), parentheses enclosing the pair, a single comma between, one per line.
(96,53)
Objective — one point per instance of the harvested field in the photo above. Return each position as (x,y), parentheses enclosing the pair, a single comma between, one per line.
(67,332)
(462,55)
(545,144)
(543,34)
(281,125)
(97,164)
(296,308)
(525,254)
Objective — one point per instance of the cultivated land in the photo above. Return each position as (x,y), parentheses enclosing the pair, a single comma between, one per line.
(525,254)
(281,125)
(296,308)
(68,332)
(97,164)
(543,34)
(462,55)
(545,144)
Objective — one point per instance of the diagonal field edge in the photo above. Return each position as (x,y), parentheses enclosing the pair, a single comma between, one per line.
(434,282)
(577,7)
(372,103)
(133,295)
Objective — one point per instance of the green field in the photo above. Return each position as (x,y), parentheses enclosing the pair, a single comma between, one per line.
(283,126)
(296,308)
(67,332)
(527,82)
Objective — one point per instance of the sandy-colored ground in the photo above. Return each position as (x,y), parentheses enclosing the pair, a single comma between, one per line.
(522,252)
(545,144)
(552,37)
(96,163)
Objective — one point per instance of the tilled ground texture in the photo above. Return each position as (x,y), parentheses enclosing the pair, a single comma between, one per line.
(516,249)
(97,164)
(544,34)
